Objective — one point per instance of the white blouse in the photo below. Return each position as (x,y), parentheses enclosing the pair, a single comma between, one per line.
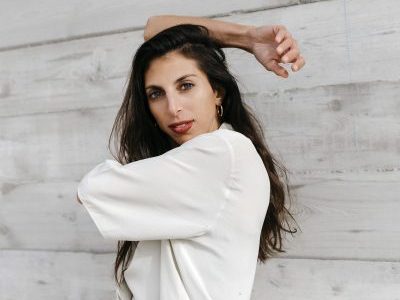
(197,210)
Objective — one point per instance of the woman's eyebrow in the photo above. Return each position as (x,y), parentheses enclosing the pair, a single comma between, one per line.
(176,81)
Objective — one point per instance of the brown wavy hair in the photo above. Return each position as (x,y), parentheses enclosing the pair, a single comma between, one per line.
(137,137)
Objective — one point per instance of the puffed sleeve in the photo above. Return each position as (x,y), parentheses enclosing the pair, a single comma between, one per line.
(178,194)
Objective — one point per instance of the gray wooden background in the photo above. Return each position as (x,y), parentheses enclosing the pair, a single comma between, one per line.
(335,125)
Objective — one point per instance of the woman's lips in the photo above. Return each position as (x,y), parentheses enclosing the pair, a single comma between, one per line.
(183,128)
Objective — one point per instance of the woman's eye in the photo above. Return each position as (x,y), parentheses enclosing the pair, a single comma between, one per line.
(151,95)
(185,84)
(154,95)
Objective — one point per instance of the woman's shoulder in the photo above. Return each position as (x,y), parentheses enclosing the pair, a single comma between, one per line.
(240,145)
(233,137)
(225,138)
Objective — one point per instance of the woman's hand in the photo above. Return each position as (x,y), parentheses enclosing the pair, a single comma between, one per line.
(273,44)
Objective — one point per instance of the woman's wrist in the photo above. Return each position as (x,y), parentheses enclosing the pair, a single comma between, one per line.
(236,35)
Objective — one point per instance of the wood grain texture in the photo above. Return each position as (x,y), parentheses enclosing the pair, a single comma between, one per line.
(65,275)
(51,22)
(56,275)
(342,211)
(314,279)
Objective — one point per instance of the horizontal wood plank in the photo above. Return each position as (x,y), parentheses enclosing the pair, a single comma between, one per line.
(82,276)
(309,279)
(48,21)
(336,212)
(56,275)
(341,128)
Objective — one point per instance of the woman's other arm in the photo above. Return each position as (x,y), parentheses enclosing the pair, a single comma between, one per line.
(225,33)
(270,44)
(170,196)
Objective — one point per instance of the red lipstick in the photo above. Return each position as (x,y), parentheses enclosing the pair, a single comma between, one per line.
(181,127)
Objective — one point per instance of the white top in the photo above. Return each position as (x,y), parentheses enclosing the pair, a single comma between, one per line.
(197,210)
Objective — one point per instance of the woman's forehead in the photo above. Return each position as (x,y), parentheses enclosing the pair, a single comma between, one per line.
(172,62)
(171,70)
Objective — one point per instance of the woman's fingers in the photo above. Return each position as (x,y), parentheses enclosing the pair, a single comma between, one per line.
(275,45)
(298,64)
(290,53)
(277,69)
(281,33)
(285,42)
(285,46)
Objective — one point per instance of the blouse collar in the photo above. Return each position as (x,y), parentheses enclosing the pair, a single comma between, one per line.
(226,125)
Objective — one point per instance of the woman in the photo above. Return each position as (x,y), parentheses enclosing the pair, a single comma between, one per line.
(194,198)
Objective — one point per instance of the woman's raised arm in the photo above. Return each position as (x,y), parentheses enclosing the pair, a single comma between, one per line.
(270,44)
(225,33)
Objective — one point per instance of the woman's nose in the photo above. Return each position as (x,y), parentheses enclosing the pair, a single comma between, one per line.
(174,103)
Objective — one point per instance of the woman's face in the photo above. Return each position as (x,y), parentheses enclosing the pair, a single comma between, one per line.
(178,91)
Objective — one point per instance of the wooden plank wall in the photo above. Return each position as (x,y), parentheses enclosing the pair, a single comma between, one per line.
(335,125)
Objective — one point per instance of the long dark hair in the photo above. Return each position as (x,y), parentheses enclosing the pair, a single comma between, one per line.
(137,137)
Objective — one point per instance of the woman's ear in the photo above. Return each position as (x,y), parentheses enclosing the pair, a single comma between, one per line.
(219,95)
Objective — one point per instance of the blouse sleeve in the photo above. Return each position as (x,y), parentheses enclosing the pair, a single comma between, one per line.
(178,194)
